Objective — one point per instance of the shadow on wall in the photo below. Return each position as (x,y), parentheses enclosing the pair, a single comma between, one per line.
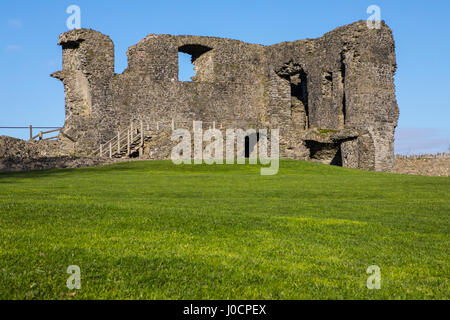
(329,153)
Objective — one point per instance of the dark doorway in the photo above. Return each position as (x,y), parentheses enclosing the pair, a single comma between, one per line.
(329,153)
(299,93)
(298,82)
(249,147)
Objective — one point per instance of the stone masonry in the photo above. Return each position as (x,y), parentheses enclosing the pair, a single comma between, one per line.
(333,98)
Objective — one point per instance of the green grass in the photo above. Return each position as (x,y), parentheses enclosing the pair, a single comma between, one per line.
(326,131)
(153,230)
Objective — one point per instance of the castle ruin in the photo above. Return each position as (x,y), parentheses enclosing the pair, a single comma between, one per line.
(333,98)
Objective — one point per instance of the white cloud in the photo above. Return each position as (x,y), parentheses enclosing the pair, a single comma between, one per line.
(12,48)
(421,140)
(15,23)
(415,133)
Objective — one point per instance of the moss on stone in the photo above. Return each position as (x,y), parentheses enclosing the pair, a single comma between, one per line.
(326,131)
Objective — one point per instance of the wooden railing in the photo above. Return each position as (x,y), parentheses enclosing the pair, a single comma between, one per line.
(40,135)
(126,138)
(131,139)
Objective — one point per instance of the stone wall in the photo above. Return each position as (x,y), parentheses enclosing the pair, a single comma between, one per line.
(17,148)
(426,165)
(20,155)
(333,98)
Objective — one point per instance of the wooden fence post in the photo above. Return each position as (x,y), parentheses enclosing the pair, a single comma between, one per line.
(101,150)
(173,124)
(142,133)
(128,147)
(31,132)
(118,141)
(110,150)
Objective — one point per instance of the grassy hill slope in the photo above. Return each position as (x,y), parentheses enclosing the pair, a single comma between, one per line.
(153,230)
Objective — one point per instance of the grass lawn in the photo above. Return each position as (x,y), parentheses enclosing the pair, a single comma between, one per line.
(153,230)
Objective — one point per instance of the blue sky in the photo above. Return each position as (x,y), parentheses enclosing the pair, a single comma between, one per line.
(29,32)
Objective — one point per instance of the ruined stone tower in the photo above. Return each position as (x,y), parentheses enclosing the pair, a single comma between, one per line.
(333,98)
